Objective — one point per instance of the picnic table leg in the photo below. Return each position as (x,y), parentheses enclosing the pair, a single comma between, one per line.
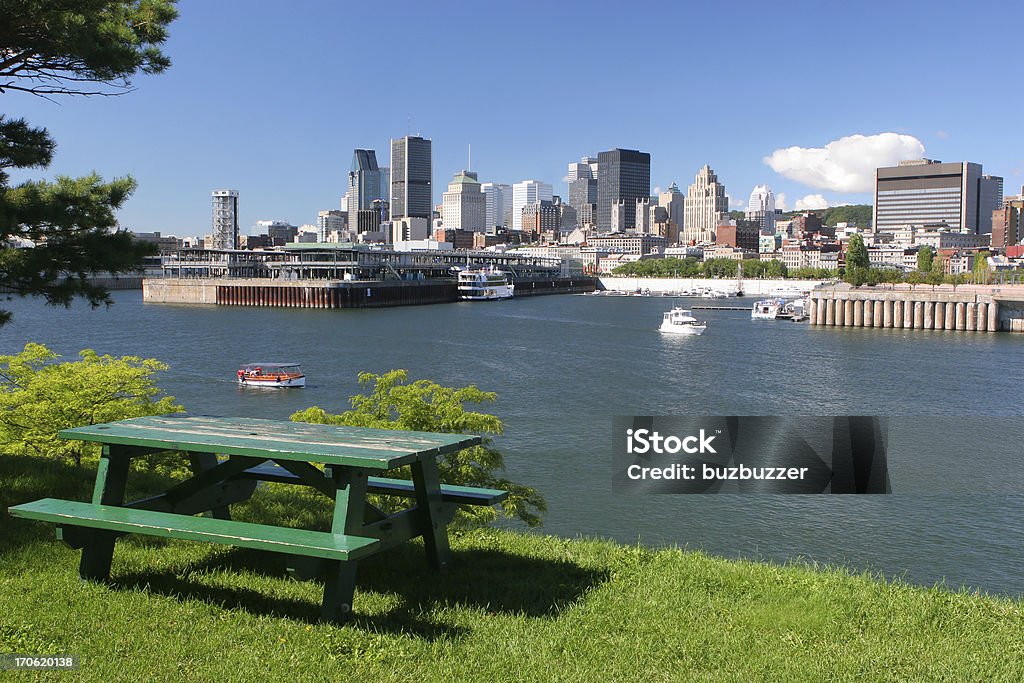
(427,481)
(111,477)
(200,462)
(349,507)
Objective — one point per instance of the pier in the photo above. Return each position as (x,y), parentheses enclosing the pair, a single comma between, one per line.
(989,309)
(261,292)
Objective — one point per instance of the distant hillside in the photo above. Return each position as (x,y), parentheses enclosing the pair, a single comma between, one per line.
(859,214)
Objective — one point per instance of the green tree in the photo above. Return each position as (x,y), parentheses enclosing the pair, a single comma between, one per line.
(39,397)
(925,257)
(982,273)
(56,234)
(915,278)
(857,253)
(392,402)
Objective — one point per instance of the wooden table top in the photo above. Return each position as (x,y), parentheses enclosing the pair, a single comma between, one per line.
(279,439)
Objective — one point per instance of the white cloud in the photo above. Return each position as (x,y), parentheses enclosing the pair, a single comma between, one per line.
(735,203)
(847,164)
(811,202)
(657,190)
(780,201)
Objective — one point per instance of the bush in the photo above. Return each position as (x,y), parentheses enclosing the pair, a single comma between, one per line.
(39,397)
(394,403)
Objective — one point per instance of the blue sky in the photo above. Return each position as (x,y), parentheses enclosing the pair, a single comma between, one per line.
(271,98)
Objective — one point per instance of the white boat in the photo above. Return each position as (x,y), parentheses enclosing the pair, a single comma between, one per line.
(271,375)
(680,321)
(778,309)
(767,309)
(485,284)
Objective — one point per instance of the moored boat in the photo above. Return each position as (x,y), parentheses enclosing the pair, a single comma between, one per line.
(271,375)
(485,284)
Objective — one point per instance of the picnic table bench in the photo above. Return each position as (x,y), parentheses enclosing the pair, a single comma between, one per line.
(230,456)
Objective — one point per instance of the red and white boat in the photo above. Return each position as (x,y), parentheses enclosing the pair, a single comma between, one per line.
(271,375)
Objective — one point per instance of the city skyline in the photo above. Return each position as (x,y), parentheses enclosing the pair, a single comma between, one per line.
(281,133)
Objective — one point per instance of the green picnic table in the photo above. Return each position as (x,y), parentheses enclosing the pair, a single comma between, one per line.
(230,456)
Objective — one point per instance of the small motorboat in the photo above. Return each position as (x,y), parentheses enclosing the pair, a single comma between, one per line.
(680,321)
(271,375)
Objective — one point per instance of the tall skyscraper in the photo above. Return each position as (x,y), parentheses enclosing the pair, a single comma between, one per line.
(364,183)
(929,192)
(706,205)
(411,173)
(225,220)
(582,180)
(672,201)
(623,175)
(527,192)
(761,209)
(464,204)
(497,197)
(990,199)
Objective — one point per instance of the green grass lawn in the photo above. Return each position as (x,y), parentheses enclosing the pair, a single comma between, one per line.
(515,607)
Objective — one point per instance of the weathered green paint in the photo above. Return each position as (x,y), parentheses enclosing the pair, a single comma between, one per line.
(327,444)
(450,493)
(431,509)
(226,532)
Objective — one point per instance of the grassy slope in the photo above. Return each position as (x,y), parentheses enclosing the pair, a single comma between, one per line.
(516,607)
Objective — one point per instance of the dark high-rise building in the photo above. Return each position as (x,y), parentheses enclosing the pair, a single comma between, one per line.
(411,172)
(622,175)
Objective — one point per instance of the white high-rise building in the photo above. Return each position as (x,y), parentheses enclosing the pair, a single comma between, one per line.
(672,201)
(761,208)
(705,206)
(225,220)
(497,202)
(463,205)
(528,192)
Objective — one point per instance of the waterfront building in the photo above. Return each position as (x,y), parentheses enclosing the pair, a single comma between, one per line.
(761,208)
(629,243)
(528,192)
(672,201)
(497,203)
(332,221)
(225,220)
(704,208)
(411,178)
(464,204)
(930,193)
(623,175)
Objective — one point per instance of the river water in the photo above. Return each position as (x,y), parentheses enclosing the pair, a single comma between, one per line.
(563,366)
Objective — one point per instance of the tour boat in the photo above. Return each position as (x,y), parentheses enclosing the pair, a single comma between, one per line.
(680,321)
(271,375)
(485,284)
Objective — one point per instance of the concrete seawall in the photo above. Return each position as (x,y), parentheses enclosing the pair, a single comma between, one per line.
(751,287)
(965,311)
(263,292)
